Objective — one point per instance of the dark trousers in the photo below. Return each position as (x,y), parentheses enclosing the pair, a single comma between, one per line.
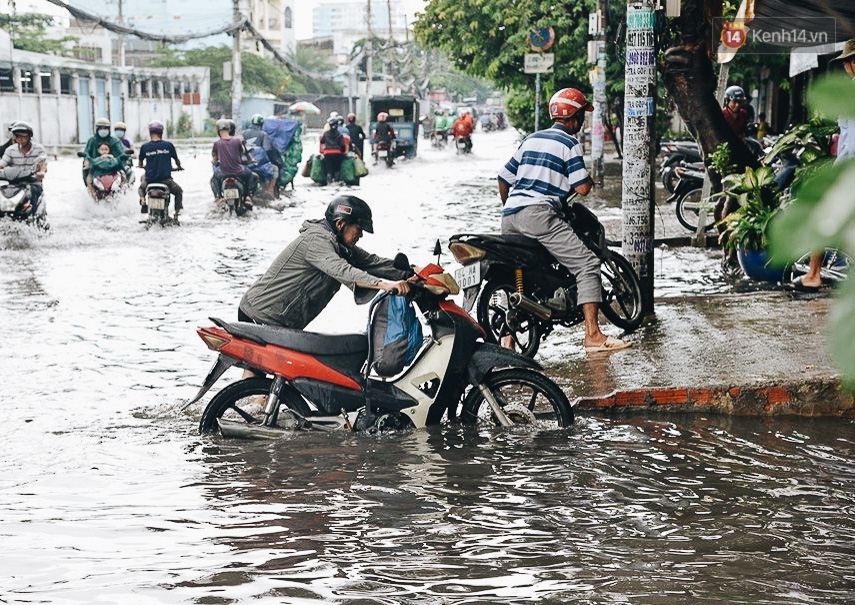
(176,191)
(333,164)
(248,178)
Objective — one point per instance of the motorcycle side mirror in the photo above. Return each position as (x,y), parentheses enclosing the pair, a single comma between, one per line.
(401,262)
(437,250)
(81,154)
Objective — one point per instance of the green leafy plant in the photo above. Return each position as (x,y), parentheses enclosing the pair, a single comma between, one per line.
(756,192)
(822,215)
(721,161)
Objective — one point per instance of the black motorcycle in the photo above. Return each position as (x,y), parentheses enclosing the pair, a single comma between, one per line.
(673,153)
(235,194)
(522,292)
(688,194)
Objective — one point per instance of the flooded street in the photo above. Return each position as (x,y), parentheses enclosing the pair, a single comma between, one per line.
(109,495)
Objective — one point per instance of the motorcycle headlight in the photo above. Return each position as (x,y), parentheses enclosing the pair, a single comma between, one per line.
(466,253)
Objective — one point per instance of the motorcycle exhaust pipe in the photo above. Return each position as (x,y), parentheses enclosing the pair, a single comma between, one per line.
(518,301)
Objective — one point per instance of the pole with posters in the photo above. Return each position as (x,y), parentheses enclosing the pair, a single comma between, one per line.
(638,143)
(597,56)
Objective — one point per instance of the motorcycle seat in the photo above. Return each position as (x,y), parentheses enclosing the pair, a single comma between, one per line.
(520,241)
(298,340)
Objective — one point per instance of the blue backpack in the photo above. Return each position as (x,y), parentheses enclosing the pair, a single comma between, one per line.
(395,333)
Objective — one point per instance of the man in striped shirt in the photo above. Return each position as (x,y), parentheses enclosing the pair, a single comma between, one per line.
(547,167)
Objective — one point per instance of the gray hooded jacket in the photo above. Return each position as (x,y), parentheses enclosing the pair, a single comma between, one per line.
(306,275)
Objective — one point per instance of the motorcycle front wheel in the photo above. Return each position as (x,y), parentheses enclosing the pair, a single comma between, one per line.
(500,320)
(527,397)
(622,303)
(689,209)
(243,401)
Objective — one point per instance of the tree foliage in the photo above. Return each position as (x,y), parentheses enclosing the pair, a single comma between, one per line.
(28,32)
(489,38)
(259,75)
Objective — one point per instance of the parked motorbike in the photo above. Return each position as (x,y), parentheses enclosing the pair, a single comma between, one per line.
(16,198)
(672,154)
(235,195)
(463,144)
(385,152)
(522,292)
(325,382)
(688,194)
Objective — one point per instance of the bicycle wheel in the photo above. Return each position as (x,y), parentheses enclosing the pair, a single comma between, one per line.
(622,303)
(499,319)
(527,397)
(834,268)
(689,209)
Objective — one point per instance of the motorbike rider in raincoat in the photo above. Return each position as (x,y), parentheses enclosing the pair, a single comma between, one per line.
(117,150)
(266,160)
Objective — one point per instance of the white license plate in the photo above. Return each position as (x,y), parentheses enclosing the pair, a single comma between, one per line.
(231,194)
(468,276)
(156,203)
(382,153)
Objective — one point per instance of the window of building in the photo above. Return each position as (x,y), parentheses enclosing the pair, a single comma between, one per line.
(144,88)
(176,89)
(65,84)
(7,82)
(132,89)
(87,53)
(288,17)
(47,82)
(167,90)
(27,82)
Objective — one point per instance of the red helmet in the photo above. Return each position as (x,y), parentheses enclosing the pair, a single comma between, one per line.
(566,102)
(351,117)
(381,117)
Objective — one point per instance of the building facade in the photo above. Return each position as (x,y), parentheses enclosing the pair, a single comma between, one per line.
(63,97)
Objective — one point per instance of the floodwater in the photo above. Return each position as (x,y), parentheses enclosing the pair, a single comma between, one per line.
(109,495)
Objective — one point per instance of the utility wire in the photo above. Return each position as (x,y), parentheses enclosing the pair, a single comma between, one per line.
(121,29)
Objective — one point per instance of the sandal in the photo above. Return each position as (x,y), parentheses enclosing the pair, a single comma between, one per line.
(609,345)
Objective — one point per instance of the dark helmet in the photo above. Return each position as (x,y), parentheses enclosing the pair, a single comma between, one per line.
(155,127)
(256,120)
(351,210)
(232,126)
(333,122)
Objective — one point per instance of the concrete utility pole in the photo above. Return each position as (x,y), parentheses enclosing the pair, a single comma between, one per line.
(237,85)
(598,82)
(121,38)
(369,68)
(638,141)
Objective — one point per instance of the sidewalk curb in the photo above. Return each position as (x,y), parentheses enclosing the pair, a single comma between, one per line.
(815,397)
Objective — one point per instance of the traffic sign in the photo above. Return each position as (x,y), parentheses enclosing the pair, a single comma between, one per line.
(538,63)
(541,38)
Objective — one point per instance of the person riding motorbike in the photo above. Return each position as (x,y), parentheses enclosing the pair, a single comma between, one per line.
(440,132)
(119,130)
(463,130)
(266,160)
(28,156)
(334,146)
(357,135)
(734,114)
(117,150)
(384,134)
(546,167)
(226,155)
(156,157)
(310,270)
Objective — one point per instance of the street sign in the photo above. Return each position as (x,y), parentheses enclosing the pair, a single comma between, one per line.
(538,63)
(541,38)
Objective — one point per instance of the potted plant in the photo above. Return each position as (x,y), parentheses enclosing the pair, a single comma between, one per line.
(745,228)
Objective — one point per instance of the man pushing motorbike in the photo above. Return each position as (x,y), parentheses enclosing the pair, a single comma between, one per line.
(306,275)
(547,167)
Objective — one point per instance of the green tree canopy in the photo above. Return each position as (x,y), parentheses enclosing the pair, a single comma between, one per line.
(489,38)
(27,31)
(259,75)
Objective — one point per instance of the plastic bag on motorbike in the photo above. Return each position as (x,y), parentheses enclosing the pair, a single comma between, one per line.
(360,167)
(395,333)
(319,169)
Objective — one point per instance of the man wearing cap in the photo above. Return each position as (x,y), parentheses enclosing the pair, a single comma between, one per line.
(546,168)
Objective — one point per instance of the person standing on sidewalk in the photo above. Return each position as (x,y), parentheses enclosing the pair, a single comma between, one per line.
(546,168)
(812,280)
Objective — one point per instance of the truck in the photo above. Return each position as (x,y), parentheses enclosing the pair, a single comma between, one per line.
(403,113)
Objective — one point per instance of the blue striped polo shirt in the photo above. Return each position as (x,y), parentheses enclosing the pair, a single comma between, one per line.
(547,166)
